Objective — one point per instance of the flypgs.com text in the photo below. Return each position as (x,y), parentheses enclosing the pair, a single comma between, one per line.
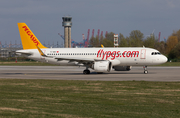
(115,54)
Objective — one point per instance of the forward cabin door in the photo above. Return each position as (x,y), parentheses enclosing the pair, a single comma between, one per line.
(143,54)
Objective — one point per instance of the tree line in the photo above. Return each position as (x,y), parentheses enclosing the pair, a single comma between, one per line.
(170,48)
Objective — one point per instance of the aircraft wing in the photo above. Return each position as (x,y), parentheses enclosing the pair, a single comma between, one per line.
(75,59)
(71,59)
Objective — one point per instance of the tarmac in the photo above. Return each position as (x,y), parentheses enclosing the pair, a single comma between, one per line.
(167,74)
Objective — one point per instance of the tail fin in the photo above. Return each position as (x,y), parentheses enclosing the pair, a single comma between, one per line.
(28,39)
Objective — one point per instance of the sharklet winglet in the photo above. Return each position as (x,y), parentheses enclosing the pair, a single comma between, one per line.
(41,52)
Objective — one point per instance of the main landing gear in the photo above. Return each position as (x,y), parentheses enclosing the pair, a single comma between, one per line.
(86,71)
(145,70)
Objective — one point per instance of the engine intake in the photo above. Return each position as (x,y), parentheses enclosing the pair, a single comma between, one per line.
(102,66)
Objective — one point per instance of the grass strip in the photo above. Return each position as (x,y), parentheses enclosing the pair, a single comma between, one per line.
(89,99)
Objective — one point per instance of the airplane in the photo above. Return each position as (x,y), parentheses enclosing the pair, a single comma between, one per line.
(99,59)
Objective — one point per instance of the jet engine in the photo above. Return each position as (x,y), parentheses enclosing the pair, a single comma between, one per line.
(102,66)
(122,68)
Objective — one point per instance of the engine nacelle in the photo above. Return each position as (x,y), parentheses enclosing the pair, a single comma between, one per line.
(122,68)
(102,66)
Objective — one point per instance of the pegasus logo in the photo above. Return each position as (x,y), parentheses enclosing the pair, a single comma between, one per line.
(32,37)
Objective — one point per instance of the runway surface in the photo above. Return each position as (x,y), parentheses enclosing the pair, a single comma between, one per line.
(75,73)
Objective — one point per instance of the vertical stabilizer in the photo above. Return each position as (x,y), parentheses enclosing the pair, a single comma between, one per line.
(28,39)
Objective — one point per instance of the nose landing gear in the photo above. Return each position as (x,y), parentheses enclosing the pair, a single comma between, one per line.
(145,70)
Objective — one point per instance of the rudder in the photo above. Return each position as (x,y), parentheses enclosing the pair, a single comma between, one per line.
(28,39)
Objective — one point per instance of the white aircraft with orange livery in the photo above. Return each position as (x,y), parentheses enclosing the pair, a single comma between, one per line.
(99,59)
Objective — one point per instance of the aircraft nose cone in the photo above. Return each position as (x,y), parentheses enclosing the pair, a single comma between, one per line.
(165,59)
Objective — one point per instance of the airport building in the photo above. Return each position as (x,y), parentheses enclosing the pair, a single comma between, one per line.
(8,52)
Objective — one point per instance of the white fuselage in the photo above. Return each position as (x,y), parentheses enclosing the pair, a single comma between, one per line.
(118,56)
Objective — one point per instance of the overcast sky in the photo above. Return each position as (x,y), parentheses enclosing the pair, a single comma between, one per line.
(44,17)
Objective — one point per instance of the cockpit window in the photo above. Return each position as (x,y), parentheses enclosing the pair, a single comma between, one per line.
(159,53)
(155,53)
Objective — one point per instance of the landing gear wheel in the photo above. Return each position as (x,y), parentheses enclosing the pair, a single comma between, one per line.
(145,72)
(86,72)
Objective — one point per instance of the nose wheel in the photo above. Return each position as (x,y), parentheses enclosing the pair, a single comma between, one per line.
(145,70)
(86,72)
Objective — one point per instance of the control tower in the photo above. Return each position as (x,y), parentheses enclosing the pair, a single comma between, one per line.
(67,31)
